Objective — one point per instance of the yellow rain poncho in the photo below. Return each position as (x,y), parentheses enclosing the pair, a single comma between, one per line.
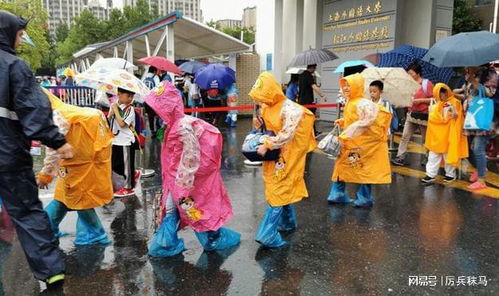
(445,133)
(293,126)
(364,152)
(85,180)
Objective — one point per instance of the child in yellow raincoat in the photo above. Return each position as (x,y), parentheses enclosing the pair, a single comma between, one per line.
(444,137)
(84,182)
(364,153)
(293,126)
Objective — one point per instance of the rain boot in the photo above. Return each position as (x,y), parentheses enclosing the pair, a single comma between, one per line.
(288,219)
(338,193)
(218,240)
(56,212)
(89,229)
(267,234)
(364,197)
(165,242)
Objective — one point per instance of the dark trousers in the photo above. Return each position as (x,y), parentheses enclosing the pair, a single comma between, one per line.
(151,117)
(20,196)
(123,163)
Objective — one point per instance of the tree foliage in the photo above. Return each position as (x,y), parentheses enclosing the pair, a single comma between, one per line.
(464,20)
(248,33)
(61,32)
(37,30)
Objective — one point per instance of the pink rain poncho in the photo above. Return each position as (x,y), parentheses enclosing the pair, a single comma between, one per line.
(190,160)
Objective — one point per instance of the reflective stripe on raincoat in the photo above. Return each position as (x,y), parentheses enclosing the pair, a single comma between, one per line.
(445,134)
(293,126)
(364,152)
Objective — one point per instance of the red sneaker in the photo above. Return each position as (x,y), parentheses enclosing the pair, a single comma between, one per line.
(124,192)
(474,177)
(477,186)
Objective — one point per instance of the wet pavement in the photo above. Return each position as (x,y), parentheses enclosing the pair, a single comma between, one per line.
(437,235)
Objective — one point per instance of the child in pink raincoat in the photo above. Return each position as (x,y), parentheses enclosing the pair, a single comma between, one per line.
(193,191)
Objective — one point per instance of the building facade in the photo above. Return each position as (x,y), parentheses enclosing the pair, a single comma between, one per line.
(249,17)
(484,9)
(352,29)
(189,8)
(228,23)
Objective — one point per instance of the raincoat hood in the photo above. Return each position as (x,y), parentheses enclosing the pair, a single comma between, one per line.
(267,90)
(356,83)
(438,87)
(166,101)
(10,24)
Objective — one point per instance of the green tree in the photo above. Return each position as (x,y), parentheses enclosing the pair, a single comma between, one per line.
(37,30)
(48,61)
(464,20)
(248,34)
(61,32)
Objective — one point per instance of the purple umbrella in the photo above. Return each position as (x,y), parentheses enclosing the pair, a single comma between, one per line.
(214,76)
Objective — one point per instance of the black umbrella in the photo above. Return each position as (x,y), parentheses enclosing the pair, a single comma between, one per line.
(312,57)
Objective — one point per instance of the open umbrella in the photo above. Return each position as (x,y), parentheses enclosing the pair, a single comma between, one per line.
(312,57)
(214,76)
(112,63)
(161,63)
(109,80)
(405,55)
(191,66)
(464,49)
(347,64)
(398,85)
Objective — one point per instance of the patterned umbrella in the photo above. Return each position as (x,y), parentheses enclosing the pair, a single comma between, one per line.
(113,63)
(109,80)
(312,57)
(405,55)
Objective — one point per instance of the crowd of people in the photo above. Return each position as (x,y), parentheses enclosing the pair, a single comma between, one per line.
(86,149)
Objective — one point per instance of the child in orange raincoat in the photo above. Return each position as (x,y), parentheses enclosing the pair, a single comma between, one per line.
(444,137)
(364,153)
(84,182)
(293,126)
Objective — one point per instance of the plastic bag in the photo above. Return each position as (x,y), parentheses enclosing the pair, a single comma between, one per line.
(331,144)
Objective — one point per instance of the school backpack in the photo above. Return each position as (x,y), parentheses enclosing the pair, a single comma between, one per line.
(149,82)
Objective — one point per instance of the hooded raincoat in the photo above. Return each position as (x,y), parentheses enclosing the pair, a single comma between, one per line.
(293,126)
(445,133)
(364,152)
(85,180)
(191,159)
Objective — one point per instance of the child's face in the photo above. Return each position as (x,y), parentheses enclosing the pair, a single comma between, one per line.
(443,97)
(375,93)
(124,98)
(345,89)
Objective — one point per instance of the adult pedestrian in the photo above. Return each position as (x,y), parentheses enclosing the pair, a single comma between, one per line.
(417,116)
(25,115)
(307,86)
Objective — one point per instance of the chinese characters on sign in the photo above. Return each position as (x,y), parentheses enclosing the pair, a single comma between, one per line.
(378,33)
(361,10)
(447,281)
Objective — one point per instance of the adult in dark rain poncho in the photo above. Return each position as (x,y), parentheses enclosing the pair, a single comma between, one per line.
(25,115)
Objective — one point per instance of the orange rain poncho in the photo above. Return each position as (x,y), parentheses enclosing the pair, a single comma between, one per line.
(445,134)
(85,180)
(364,152)
(293,126)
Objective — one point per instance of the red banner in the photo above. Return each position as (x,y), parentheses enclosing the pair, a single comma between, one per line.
(249,107)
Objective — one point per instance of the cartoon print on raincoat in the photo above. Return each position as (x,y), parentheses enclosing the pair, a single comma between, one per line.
(445,134)
(292,125)
(364,153)
(190,173)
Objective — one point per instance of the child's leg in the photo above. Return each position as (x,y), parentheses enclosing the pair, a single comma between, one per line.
(267,234)
(288,220)
(338,193)
(165,242)
(129,166)
(450,171)
(89,229)
(56,211)
(117,160)
(220,239)
(433,164)
(364,196)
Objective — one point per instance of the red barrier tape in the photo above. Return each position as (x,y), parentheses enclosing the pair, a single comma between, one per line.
(249,107)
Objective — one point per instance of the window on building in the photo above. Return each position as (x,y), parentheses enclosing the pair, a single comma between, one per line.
(483,2)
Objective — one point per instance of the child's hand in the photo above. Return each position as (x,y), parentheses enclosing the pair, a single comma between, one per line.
(262,150)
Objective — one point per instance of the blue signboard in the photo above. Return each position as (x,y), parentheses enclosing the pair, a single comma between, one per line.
(269,62)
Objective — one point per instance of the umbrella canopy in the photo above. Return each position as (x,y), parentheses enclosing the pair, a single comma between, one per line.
(464,49)
(399,86)
(113,63)
(161,63)
(405,55)
(191,66)
(347,64)
(312,57)
(109,80)
(68,72)
(215,76)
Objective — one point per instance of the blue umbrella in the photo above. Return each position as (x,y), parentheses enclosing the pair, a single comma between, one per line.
(405,55)
(214,76)
(464,49)
(191,67)
(342,66)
